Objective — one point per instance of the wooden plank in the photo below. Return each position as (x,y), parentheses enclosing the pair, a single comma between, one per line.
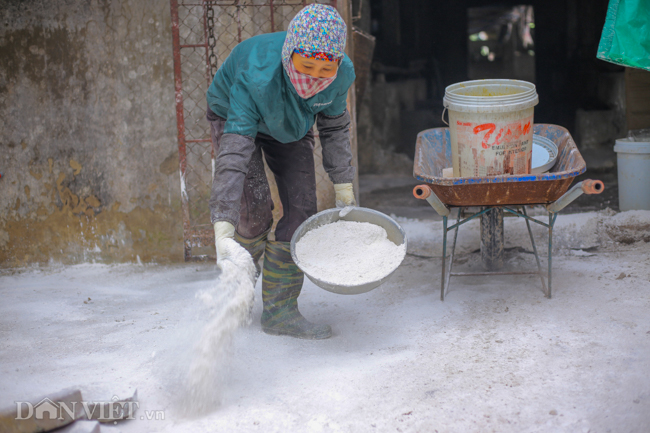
(637,95)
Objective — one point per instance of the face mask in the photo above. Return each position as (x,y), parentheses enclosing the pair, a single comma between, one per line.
(306,85)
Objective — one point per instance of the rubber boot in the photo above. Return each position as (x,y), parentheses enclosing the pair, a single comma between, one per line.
(255,248)
(281,285)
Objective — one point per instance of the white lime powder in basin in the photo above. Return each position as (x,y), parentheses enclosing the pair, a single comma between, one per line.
(348,253)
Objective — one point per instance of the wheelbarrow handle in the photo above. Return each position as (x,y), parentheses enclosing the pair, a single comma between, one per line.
(424,192)
(587,186)
(592,186)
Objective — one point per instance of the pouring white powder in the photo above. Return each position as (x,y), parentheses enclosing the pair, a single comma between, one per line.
(228,303)
(348,253)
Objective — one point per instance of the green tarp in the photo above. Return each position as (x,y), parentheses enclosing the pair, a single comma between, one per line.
(626,34)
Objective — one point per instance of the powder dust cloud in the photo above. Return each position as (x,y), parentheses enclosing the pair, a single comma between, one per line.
(227,303)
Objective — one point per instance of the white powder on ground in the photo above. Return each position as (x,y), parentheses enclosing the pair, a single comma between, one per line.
(348,253)
(228,303)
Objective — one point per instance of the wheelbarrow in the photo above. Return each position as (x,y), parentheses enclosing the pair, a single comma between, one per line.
(496,195)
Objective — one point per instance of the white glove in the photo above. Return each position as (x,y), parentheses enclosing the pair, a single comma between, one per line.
(223,230)
(344,195)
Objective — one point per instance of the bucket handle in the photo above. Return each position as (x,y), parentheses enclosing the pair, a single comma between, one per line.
(443,116)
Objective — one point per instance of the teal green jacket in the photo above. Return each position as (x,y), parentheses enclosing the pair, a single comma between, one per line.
(253,93)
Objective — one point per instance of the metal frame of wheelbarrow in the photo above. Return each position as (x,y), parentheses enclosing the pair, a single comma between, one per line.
(424,192)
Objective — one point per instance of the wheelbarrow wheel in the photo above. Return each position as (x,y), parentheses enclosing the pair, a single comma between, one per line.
(492,239)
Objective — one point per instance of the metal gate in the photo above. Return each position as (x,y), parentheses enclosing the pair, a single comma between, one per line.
(204,32)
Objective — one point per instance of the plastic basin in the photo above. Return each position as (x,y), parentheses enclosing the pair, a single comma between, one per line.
(360,214)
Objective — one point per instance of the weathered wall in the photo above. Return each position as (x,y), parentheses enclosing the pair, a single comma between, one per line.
(87,133)
(388,124)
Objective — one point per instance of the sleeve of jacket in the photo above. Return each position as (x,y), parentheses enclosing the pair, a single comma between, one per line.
(236,148)
(334,133)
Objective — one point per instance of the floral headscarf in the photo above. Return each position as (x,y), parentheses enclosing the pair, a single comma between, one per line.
(318,32)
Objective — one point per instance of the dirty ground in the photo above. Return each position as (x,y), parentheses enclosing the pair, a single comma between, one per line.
(494,356)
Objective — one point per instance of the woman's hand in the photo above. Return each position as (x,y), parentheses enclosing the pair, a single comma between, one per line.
(344,195)
(222,230)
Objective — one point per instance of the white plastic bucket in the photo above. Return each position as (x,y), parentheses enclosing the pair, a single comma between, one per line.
(633,159)
(491,126)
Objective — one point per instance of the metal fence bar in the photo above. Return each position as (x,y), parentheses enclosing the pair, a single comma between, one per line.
(272,15)
(180,122)
(238,23)
(207,41)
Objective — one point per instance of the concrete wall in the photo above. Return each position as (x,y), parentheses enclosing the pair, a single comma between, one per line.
(388,123)
(87,133)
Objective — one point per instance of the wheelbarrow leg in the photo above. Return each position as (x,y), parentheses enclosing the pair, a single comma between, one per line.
(550,254)
(532,241)
(587,186)
(446,274)
(444,257)
(551,222)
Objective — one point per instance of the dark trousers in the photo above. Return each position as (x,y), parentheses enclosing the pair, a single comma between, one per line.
(292,165)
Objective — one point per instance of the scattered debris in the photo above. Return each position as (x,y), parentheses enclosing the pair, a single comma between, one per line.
(621,276)
(629,227)
(581,253)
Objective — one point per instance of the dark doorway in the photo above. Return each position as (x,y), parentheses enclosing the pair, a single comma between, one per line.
(500,43)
